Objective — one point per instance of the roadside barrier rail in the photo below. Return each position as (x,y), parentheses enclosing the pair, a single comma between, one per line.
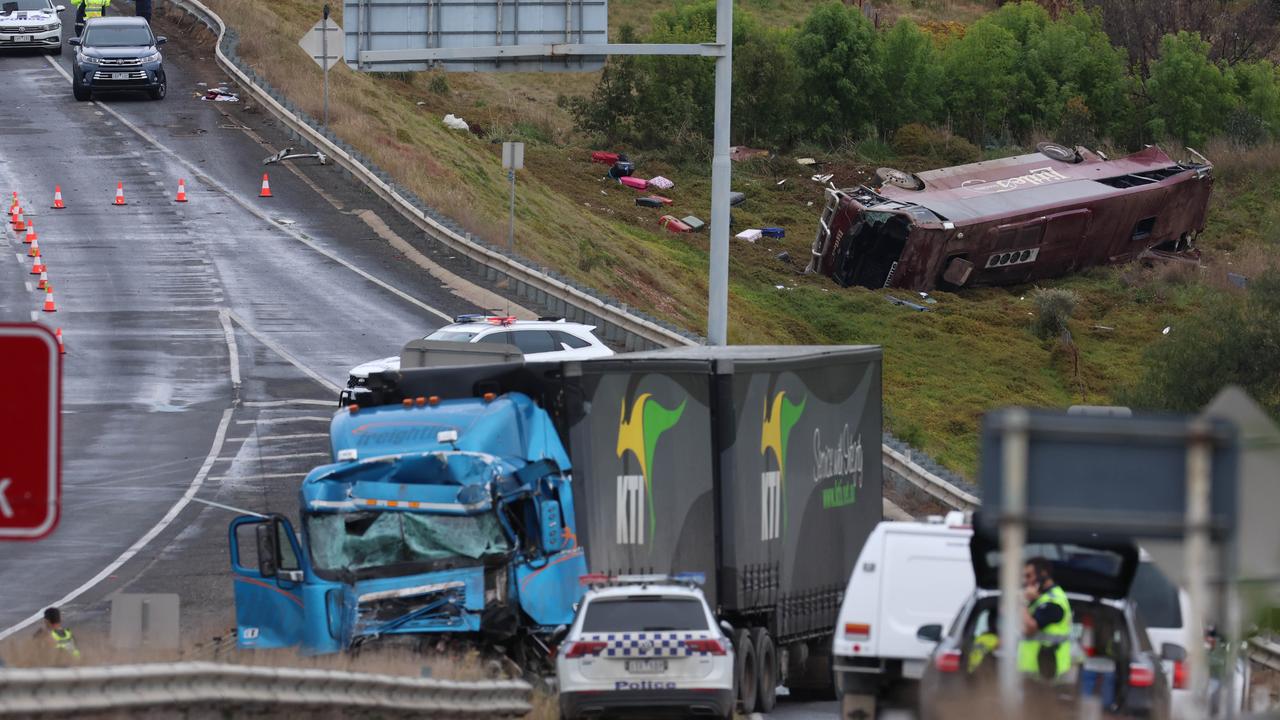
(55,692)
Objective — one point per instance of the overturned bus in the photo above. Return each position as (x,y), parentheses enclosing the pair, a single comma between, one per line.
(1010,221)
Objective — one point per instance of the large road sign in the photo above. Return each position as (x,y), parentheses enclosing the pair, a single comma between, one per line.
(323,42)
(31,440)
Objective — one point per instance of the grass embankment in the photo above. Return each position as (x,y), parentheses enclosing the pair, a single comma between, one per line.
(943,368)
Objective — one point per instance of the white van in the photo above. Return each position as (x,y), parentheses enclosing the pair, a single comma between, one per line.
(908,575)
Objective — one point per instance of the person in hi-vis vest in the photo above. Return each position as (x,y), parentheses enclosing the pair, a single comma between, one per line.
(1045,650)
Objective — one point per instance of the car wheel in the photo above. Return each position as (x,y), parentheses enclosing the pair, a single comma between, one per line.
(81,92)
(744,670)
(766,671)
(158,92)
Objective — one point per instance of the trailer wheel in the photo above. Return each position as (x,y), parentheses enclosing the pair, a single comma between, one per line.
(1061,153)
(766,670)
(744,670)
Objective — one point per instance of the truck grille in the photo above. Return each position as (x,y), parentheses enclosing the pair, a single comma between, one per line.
(109,76)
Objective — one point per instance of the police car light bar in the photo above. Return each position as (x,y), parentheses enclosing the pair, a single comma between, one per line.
(697,578)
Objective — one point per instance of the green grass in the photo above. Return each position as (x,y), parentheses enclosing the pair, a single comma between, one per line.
(973,352)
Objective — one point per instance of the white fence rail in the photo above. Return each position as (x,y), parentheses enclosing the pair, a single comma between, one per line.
(55,692)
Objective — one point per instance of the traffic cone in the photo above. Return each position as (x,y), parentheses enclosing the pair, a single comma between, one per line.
(14,204)
(49,305)
(182,191)
(44,277)
(34,250)
(57,198)
(38,266)
(62,349)
(266,187)
(31,233)
(19,221)
(119,194)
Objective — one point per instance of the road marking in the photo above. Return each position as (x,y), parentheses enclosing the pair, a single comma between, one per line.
(295,401)
(265,438)
(287,456)
(278,421)
(238,511)
(224,317)
(277,349)
(242,478)
(199,175)
(142,542)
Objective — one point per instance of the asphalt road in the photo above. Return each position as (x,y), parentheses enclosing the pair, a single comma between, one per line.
(206,341)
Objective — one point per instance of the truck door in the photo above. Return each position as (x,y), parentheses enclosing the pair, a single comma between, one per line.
(268,582)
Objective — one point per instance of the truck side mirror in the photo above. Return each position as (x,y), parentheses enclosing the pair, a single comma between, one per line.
(930,633)
(268,548)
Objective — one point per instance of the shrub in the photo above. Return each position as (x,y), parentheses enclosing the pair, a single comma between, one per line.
(1054,307)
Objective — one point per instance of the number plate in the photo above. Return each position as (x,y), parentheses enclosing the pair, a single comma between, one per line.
(21,38)
(119,76)
(646,666)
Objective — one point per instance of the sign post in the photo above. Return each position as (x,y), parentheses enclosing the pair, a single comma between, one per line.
(316,43)
(512,160)
(30,470)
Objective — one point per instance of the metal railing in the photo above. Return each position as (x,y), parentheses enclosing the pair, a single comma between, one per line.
(204,685)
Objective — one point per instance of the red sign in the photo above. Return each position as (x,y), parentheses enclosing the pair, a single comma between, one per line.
(31,437)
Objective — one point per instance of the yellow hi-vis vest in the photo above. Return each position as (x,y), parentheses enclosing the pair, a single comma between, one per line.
(983,645)
(63,642)
(1055,637)
(95,8)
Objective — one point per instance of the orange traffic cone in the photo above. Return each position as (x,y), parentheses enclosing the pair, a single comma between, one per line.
(49,305)
(120,194)
(19,221)
(37,265)
(266,187)
(57,198)
(182,191)
(13,214)
(62,349)
(44,277)
(34,250)
(31,233)
(15,200)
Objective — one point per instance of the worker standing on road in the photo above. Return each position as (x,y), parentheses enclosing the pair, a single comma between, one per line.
(142,8)
(79,17)
(1046,623)
(64,646)
(95,8)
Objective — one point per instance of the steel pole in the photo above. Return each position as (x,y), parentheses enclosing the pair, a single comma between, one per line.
(1013,536)
(324,50)
(718,299)
(511,229)
(1197,557)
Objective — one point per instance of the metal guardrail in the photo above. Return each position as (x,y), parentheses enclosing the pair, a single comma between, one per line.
(618,324)
(205,685)
(1265,653)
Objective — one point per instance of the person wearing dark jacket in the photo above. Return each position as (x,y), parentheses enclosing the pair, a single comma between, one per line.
(142,8)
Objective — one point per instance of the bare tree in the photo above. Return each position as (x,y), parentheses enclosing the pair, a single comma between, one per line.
(1236,29)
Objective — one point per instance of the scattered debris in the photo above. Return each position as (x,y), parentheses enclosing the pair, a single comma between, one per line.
(928,299)
(670,222)
(453,122)
(622,167)
(906,303)
(736,198)
(203,84)
(822,179)
(1237,279)
(806,161)
(634,183)
(773,232)
(289,154)
(750,235)
(809,204)
(780,287)
(695,224)
(285,221)
(220,94)
(1166,330)
(738,153)
(660,183)
(782,181)
(784,256)
(1103,327)
(652,201)
(604,158)
(421,103)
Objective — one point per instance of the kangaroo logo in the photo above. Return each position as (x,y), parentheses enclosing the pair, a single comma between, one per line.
(775,432)
(638,433)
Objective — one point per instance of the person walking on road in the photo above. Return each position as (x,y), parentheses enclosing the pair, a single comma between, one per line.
(64,645)
(1046,623)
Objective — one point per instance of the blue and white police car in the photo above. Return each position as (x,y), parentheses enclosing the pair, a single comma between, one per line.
(645,645)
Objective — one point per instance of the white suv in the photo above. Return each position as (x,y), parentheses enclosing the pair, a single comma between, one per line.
(645,646)
(539,340)
(31,24)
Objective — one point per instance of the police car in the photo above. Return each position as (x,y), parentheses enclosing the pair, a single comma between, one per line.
(31,24)
(645,645)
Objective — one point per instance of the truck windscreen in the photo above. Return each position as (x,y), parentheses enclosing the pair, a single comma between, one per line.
(365,540)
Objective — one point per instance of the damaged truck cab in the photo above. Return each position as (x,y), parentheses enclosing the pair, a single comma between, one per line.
(1010,221)
(419,532)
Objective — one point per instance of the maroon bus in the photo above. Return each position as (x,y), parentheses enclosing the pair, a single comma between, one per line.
(1010,221)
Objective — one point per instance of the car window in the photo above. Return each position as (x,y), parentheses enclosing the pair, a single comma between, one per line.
(118,36)
(572,341)
(1156,597)
(452,335)
(534,341)
(498,338)
(645,613)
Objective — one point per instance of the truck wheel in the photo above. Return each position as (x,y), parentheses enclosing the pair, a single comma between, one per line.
(744,670)
(766,670)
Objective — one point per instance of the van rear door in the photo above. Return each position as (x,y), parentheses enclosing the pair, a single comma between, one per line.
(927,577)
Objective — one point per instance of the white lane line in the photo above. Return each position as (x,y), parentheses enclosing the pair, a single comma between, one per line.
(278,421)
(277,349)
(243,478)
(253,209)
(287,456)
(232,350)
(294,401)
(272,438)
(220,506)
(142,542)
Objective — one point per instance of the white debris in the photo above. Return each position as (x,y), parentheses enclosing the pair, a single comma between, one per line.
(1166,330)
(806,161)
(750,235)
(453,122)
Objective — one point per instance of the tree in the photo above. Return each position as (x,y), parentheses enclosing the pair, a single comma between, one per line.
(765,86)
(979,72)
(612,104)
(840,74)
(1257,87)
(913,77)
(1190,95)
(1073,67)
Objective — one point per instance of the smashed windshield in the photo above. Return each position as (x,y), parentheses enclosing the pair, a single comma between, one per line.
(118,36)
(363,540)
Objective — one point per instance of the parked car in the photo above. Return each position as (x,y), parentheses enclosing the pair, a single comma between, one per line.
(115,54)
(645,646)
(1108,634)
(908,574)
(32,24)
(539,340)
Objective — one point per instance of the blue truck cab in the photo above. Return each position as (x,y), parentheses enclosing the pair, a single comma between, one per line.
(438,520)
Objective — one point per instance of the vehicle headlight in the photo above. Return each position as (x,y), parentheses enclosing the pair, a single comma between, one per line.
(82,59)
(53,26)
(153,57)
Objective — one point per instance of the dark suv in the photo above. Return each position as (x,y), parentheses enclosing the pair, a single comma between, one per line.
(1112,656)
(118,53)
